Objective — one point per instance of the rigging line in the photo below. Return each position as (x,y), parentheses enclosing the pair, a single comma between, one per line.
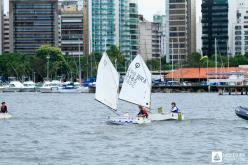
(109,108)
(114,111)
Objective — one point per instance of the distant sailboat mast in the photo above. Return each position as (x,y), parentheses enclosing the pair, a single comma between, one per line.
(79,65)
(216,63)
(172,62)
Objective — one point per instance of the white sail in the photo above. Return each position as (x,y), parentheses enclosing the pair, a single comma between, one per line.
(136,87)
(107,83)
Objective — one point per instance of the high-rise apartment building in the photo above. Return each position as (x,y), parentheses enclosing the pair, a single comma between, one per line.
(109,24)
(150,40)
(6,42)
(181,29)
(33,23)
(71,28)
(161,20)
(72,32)
(134,27)
(214,26)
(1,26)
(238,27)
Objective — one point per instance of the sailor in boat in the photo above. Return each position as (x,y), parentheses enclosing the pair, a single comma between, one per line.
(4,108)
(174,108)
(142,112)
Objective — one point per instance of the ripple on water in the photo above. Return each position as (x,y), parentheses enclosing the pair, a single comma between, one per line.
(49,129)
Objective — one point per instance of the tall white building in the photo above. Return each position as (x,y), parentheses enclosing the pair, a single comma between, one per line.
(161,19)
(199,36)
(6,42)
(238,27)
(1,27)
(150,40)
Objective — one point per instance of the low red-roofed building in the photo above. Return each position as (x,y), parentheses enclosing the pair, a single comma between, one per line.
(196,74)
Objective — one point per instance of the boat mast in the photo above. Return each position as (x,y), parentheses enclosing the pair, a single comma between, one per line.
(178,54)
(160,52)
(172,56)
(79,65)
(216,64)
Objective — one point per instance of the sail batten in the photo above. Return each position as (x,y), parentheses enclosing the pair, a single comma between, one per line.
(107,83)
(136,87)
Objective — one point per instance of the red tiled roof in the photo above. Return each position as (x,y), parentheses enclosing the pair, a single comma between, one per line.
(196,73)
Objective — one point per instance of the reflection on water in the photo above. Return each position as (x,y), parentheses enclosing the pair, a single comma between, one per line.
(71,129)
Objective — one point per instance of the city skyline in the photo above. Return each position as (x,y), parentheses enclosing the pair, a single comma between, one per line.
(154,8)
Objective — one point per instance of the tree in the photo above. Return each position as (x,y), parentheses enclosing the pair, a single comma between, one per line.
(116,57)
(194,60)
(57,63)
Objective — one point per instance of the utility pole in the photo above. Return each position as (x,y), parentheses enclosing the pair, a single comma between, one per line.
(79,65)
(48,58)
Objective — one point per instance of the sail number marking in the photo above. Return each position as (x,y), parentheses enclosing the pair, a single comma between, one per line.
(132,77)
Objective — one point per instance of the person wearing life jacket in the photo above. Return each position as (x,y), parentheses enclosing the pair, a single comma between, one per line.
(142,112)
(4,108)
(174,108)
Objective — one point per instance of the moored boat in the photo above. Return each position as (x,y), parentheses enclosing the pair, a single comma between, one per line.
(72,87)
(29,86)
(242,112)
(50,86)
(14,86)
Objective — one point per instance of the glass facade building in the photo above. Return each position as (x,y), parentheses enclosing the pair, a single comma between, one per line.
(33,23)
(1,27)
(214,26)
(134,29)
(109,24)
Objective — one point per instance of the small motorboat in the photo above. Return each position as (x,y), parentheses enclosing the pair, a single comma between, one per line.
(29,86)
(50,87)
(242,112)
(14,86)
(5,116)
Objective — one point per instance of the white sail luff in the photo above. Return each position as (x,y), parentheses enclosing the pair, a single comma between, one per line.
(107,83)
(136,87)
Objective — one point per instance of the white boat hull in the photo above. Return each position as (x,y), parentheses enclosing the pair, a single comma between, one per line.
(9,89)
(28,90)
(49,90)
(76,90)
(141,120)
(5,116)
(166,116)
(128,120)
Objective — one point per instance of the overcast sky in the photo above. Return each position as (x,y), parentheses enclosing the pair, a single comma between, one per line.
(146,7)
(150,7)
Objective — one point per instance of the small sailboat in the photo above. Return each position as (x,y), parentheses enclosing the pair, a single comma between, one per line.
(136,88)
(5,116)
